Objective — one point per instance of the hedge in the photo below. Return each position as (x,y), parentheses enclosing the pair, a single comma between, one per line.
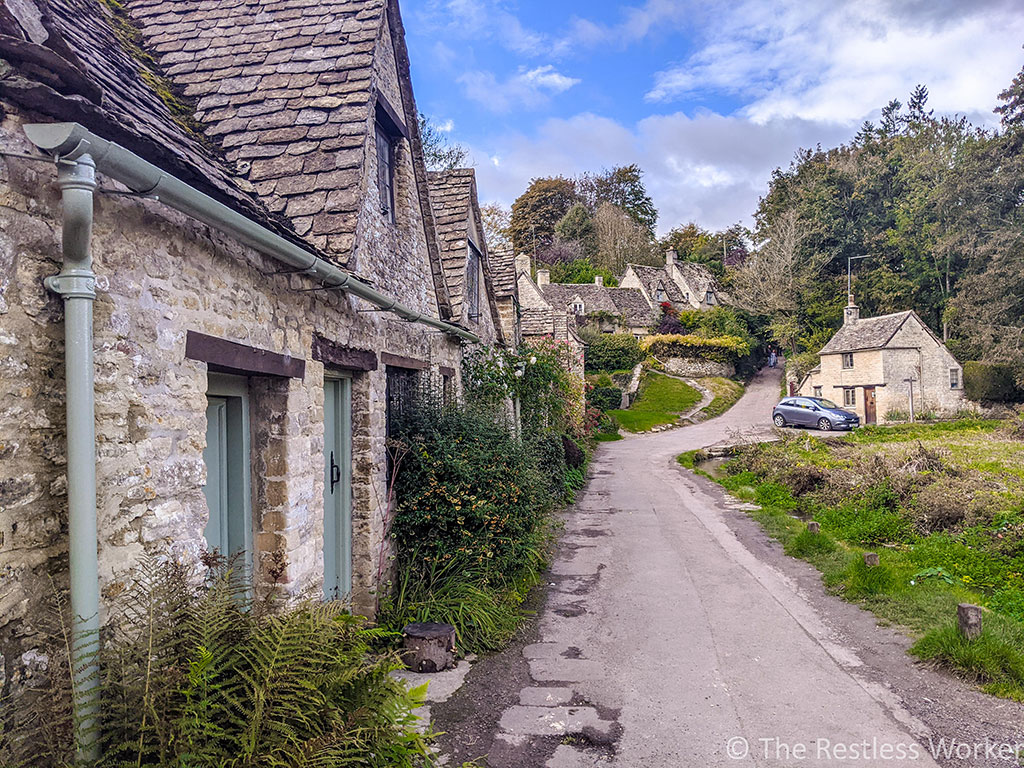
(612,352)
(606,398)
(992,382)
(721,349)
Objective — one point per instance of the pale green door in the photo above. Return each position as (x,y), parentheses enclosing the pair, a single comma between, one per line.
(337,488)
(227,490)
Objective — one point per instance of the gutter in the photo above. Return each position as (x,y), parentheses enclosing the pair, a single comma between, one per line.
(70,141)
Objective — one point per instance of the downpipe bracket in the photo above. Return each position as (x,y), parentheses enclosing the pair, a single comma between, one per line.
(74,284)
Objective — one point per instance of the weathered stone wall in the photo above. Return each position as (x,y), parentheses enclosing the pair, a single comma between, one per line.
(694,367)
(168,275)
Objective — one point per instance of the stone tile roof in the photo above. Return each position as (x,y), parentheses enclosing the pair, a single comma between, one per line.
(632,306)
(536,321)
(867,333)
(503,272)
(284,87)
(698,277)
(451,198)
(67,63)
(650,277)
(595,297)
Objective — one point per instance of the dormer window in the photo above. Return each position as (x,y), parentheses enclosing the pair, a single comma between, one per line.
(473,284)
(710,298)
(578,307)
(659,293)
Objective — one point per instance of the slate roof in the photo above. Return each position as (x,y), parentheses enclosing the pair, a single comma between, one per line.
(632,306)
(503,272)
(651,276)
(866,333)
(281,89)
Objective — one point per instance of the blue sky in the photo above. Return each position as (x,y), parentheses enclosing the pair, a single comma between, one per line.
(708,97)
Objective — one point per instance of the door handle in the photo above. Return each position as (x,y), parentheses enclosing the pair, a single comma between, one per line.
(335,473)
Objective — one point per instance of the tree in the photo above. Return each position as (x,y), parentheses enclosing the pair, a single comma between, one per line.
(497,220)
(624,188)
(620,240)
(581,271)
(1012,108)
(578,226)
(440,153)
(537,210)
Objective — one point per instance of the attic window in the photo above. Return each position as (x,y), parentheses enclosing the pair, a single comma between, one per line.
(473,284)
(578,307)
(710,298)
(847,359)
(386,173)
(659,294)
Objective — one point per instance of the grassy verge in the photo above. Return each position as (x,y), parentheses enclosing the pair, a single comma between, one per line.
(942,505)
(660,401)
(725,391)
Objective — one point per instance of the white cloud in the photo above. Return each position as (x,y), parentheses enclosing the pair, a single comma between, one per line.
(447,126)
(526,88)
(841,61)
(707,168)
(477,20)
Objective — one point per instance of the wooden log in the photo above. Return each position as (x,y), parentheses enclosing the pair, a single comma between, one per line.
(814,527)
(871,559)
(428,647)
(969,620)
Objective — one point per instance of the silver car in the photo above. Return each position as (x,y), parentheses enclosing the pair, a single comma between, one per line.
(813,412)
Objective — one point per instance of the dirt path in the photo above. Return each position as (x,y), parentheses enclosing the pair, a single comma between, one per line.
(674,633)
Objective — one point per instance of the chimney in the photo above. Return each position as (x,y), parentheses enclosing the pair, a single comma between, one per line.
(543,276)
(522,264)
(852,313)
(670,257)
(599,280)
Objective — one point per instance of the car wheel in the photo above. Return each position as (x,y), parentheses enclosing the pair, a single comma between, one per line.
(824,424)
(779,420)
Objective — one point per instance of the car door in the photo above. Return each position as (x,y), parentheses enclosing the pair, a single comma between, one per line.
(805,413)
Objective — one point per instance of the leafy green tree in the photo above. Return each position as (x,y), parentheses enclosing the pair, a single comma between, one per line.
(581,271)
(439,152)
(624,188)
(536,212)
(577,225)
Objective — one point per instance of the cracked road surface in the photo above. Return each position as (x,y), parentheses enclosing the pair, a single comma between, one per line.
(666,641)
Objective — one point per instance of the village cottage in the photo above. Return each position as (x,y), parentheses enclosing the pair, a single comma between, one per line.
(265,286)
(884,368)
(683,284)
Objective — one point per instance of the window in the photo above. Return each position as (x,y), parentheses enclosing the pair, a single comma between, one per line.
(659,293)
(403,386)
(817,391)
(954,378)
(578,307)
(227,459)
(473,284)
(850,397)
(710,298)
(386,173)
(848,360)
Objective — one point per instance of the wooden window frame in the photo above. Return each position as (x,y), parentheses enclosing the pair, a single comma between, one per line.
(847,356)
(954,378)
(849,397)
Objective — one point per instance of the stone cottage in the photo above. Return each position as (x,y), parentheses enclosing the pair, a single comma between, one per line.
(607,310)
(683,284)
(266,286)
(885,367)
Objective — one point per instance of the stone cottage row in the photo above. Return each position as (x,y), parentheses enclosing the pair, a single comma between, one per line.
(242,398)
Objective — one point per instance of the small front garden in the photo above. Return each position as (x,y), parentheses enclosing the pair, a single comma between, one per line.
(942,505)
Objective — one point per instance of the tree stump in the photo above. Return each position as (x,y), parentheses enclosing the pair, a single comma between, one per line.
(871,559)
(969,620)
(814,527)
(428,647)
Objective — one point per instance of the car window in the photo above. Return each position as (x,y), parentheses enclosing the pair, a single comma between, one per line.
(807,404)
(826,403)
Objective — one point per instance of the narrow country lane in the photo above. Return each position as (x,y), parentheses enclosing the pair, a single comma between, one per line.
(666,636)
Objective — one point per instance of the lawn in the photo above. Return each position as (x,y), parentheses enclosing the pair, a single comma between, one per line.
(726,392)
(942,505)
(660,400)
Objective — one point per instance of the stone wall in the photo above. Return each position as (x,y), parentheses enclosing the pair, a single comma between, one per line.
(168,275)
(697,368)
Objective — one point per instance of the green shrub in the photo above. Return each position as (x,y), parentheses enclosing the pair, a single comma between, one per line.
(1010,602)
(612,351)
(605,398)
(467,487)
(194,673)
(722,349)
(994,382)
(869,519)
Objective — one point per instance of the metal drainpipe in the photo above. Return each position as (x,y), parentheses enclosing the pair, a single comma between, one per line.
(76,284)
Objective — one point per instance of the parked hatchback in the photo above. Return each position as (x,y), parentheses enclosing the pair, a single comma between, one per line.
(814,412)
